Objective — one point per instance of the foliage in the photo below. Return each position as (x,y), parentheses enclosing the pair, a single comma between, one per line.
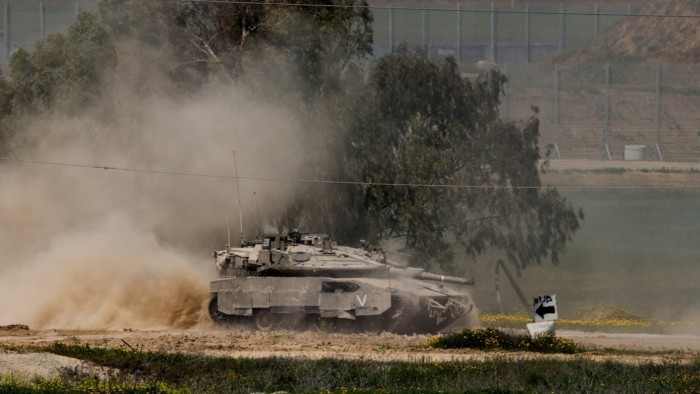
(65,71)
(491,339)
(409,121)
(63,75)
(255,42)
(421,123)
(162,372)
(617,324)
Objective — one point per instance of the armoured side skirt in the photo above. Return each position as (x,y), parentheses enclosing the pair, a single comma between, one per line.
(239,296)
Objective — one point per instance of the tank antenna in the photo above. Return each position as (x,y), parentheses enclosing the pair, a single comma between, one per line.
(257,208)
(228,233)
(238,190)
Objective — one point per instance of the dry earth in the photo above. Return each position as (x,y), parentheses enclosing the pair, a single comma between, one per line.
(216,341)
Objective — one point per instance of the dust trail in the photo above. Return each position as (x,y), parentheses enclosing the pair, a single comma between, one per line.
(111,275)
(87,248)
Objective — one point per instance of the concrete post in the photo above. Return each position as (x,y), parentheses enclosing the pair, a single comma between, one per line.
(527,33)
(6,30)
(555,132)
(562,27)
(42,21)
(657,117)
(459,32)
(425,27)
(391,26)
(506,101)
(494,43)
(596,19)
(606,126)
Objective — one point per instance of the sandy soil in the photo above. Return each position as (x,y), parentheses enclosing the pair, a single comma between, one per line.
(314,345)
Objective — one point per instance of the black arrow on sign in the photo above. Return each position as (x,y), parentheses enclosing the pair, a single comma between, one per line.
(543,310)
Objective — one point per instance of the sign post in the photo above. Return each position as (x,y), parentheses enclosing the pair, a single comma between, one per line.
(545,307)
(545,313)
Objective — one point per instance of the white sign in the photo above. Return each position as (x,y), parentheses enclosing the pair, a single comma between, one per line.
(546,308)
(541,328)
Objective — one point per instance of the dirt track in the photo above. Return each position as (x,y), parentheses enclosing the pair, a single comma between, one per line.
(313,345)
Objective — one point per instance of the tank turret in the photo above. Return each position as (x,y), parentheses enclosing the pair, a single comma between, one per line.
(301,281)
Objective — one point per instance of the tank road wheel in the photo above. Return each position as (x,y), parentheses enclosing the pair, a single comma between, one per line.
(294,322)
(372,325)
(218,316)
(264,320)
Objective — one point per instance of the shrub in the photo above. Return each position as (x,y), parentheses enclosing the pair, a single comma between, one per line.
(491,339)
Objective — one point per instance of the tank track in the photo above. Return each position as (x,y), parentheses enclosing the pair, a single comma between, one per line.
(220,317)
(399,318)
(401,315)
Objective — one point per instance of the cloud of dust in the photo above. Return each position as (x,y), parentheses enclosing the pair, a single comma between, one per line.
(94,248)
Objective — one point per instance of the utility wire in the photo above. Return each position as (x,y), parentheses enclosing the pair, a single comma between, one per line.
(357,183)
(413,8)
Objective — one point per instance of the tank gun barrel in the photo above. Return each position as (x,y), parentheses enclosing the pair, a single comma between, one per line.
(446,279)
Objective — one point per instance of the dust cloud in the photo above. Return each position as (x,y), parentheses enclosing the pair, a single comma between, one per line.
(84,247)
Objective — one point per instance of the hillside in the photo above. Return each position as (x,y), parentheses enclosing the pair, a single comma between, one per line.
(651,39)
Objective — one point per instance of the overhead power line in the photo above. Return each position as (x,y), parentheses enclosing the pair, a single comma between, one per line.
(333,182)
(432,8)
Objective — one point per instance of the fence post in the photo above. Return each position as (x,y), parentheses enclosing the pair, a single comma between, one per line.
(556,111)
(527,33)
(6,25)
(391,26)
(493,33)
(506,103)
(425,28)
(658,111)
(77,8)
(596,19)
(607,112)
(459,31)
(42,22)
(562,27)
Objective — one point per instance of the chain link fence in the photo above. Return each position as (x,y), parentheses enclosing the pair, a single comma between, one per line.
(586,110)
(24,22)
(598,110)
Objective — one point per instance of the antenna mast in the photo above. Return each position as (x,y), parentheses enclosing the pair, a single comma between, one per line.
(228,233)
(257,208)
(238,191)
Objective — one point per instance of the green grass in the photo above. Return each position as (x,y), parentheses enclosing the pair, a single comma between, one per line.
(493,339)
(636,250)
(141,372)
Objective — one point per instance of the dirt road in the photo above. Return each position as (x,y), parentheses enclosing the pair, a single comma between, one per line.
(314,345)
(584,165)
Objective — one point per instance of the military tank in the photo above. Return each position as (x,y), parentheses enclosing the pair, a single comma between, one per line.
(306,281)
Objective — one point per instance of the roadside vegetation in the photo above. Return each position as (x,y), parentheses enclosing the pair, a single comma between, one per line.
(120,370)
(607,324)
(493,339)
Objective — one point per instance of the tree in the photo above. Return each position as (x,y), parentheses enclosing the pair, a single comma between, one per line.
(237,41)
(64,72)
(470,178)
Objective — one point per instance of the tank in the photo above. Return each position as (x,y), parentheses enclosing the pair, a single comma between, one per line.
(304,281)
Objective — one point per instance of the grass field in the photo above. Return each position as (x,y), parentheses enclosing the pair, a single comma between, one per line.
(634,258)
(157,372)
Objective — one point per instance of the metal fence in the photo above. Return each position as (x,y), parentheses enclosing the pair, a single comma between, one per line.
(24,22)
(496,31)
(596,110)
(587,110)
